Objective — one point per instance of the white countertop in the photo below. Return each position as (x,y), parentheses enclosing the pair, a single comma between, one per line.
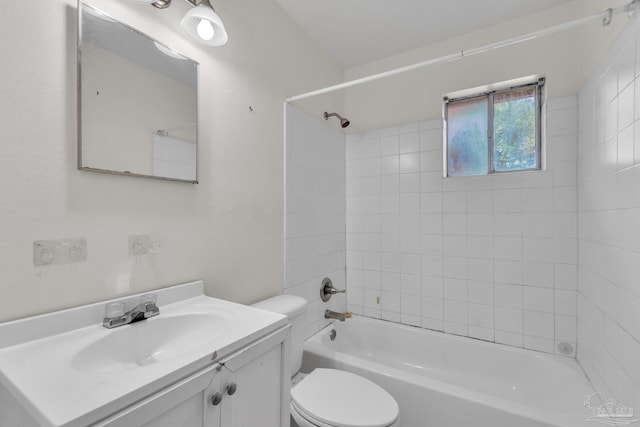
(47,376)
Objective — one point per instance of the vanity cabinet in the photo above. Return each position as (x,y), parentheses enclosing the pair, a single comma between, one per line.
(245,389)
(202,362)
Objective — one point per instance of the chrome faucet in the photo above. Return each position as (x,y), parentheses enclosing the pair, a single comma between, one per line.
(116,316)
(328,314)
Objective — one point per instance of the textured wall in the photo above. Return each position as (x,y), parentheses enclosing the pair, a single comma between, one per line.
(228,230)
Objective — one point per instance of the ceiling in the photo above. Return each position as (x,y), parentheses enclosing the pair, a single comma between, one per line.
(356,32)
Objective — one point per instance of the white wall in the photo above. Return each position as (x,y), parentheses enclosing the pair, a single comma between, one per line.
(316,211)
(491,257)
(609,218)
(566,59)
(228,230)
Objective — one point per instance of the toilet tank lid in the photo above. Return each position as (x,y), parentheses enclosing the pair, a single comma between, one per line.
(289,305)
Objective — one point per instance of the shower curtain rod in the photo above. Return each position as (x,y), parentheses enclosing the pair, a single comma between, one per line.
(605,16)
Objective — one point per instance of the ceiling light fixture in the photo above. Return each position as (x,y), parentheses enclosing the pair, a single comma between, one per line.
(204,25)
(201,23)
(161,4)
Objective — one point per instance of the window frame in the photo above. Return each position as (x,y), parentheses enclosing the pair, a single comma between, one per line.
(538,84)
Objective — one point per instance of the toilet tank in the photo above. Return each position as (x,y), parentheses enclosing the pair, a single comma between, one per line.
(295,308)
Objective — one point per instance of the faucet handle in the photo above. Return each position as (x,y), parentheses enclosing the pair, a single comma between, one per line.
(327,290)
(114,309)
(150,307)
(149,299)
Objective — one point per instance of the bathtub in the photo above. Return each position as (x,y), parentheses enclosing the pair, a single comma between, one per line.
(441,380)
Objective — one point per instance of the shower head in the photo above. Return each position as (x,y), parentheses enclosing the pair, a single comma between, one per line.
(343,122)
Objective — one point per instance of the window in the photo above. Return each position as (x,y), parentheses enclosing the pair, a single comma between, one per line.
(495,131)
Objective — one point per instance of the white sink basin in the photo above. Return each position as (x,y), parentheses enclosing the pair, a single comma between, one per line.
(149,341)
(66,369)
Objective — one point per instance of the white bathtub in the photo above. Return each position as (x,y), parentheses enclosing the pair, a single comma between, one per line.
(440,380)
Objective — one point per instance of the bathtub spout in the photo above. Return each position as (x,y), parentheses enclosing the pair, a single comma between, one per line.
(328,314)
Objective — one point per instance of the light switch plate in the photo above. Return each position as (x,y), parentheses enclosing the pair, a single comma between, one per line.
(139,244)
(61,251)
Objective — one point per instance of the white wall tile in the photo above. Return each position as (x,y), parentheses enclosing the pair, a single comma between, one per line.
(509,338)
(409,142)
(455,311)
(455,328)
(454,246)
(480,201)
(316,213)
(481,292)
(507,248)
(431,140)
(566,328)
(538,274)
(431,202)
(606,293)
(410,163)
(433,324)
(508,320)
(481,315)
(538,299)
(410,264)
(480,247)
(410,183)
(390,165)
(507,271)
(431,244)
(390,184)
(389,145)
(432,308)
(432,286)
(456,252)
(454,202)
(539,344)
(565,302)
(410,203)
(539,325)
(508,296)
(454,224)
(455,289)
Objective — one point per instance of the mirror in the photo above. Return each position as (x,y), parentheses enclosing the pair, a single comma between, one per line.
(137,102)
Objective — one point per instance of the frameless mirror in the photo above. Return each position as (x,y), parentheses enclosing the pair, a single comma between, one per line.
(137,102)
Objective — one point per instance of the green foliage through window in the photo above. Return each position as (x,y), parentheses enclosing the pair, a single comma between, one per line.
(494,132)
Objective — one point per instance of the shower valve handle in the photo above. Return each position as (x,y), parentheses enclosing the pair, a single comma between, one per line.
(327,290)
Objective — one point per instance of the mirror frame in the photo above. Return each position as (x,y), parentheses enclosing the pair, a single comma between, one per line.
(81,6)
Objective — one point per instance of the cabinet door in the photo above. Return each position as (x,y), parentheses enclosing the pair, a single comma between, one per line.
(253,383)
(186,404)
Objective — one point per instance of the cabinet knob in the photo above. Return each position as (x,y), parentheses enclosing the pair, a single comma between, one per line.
(216,399)
(231,388)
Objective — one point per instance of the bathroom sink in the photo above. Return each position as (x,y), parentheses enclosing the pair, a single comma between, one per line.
(66,369)
(147,342)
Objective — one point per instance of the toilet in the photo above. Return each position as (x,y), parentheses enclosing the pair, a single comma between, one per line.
(329,397)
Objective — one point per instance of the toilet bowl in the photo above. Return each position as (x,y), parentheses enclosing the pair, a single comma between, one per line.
(334,398)
(329,397)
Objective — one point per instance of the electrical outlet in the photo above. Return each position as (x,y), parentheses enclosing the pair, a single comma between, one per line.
(77,249)
(139,244)
(44,252)
(61,251)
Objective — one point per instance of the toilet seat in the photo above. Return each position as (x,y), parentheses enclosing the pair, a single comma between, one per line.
(333,398)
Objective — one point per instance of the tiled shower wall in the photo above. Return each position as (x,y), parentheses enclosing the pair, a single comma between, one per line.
(609,218)
(490,257)
(315,213)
